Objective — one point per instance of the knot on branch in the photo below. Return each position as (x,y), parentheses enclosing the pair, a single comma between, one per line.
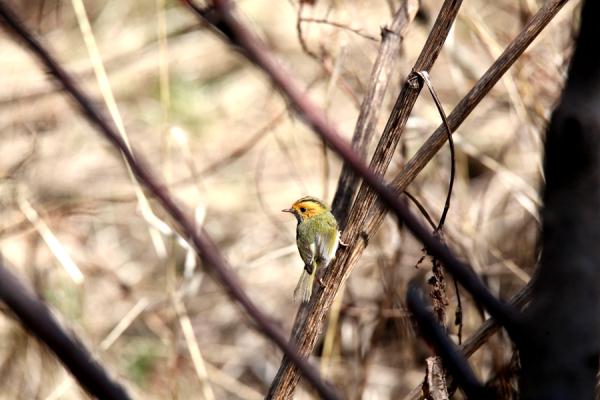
(386,32)
(415,81)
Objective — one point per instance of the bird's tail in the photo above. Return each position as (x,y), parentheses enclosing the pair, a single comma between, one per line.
(304,287)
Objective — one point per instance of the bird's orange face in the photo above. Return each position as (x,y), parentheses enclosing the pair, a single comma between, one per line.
(307,207)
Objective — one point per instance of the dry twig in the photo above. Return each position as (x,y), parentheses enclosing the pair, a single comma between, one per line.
(444,346)
(485,331)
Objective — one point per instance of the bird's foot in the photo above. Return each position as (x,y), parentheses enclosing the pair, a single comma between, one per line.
(309,268)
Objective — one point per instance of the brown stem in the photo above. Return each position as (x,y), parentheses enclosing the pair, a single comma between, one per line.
(468,103)
(37,319)
(436,335)
(486,330)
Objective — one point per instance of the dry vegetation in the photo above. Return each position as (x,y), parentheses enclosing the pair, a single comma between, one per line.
(223,139)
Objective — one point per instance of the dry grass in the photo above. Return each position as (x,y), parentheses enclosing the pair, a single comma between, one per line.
(187,102)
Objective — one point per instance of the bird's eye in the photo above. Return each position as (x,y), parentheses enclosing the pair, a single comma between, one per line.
(302,209)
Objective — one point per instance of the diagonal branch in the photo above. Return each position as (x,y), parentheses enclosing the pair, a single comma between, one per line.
(204,246)
(483,86)
(485,331)
(37,318)
(444,346)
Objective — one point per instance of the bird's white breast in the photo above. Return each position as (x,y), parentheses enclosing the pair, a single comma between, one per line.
(327,254)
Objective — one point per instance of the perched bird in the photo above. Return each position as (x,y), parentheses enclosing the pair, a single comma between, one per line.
(317,237)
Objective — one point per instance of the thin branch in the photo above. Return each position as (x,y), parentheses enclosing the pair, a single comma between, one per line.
(486,330)
(338,25)
(194,349)
(245,147)
(491,326)
(468,103)
(323,59)
(422,209)
(37,319)
(458,314)
(444,347)
(300,34)
(111,104)
(204,246)
(425,76)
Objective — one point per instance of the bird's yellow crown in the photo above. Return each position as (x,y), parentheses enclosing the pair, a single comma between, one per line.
(308,207)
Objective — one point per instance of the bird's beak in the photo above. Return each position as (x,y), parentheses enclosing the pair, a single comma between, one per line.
(288,210)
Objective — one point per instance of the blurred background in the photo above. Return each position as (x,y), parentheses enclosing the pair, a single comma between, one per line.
(85,237)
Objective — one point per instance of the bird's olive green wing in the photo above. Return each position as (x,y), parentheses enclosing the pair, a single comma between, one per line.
(307,251)
(305,239)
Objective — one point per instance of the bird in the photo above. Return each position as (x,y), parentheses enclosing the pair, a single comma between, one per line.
(317,238)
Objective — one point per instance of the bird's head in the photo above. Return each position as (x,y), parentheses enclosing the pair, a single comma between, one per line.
(306,208)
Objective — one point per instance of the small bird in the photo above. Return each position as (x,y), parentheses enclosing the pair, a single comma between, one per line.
(317,237)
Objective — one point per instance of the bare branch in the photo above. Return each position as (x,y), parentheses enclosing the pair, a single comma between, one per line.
(444,347)
(37,319)
(425,76)
(486,330)
(468,103)
(338,25)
